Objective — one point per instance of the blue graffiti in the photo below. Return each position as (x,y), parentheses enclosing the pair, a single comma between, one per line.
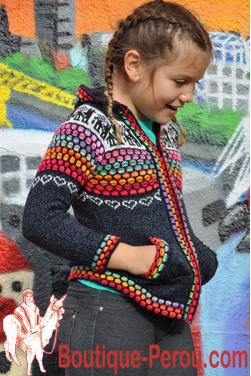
(224,306)
(24,119)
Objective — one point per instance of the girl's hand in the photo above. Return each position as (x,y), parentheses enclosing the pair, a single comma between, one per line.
(141,259)
(135,260)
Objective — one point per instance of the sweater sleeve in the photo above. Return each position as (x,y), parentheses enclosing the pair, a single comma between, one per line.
(72,155)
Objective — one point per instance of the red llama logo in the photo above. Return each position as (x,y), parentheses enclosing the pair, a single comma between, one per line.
(16,278)
(30,332)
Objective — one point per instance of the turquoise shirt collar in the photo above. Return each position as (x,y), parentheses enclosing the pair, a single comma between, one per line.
(147,127)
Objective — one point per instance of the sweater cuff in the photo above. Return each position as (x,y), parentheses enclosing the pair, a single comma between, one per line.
(104,252)
(161,256)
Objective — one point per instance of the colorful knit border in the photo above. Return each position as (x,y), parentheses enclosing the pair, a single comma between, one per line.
(134,291)
(174,161)
(74,151)
(159,260)
(171,197)
(104,252)
(123,172)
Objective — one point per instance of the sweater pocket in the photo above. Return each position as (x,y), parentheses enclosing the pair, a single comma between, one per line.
(161,257)
(169,265)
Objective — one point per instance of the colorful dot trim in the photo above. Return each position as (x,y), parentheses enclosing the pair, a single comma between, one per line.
(160,258)
(74,151)
(134,291)
(83,95)
(174,160)
(104,253)
(175,211)
(123,172)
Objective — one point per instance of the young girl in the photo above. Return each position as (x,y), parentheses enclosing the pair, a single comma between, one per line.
(137,267)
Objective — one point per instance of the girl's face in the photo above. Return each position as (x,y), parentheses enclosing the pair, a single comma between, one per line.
(171,86)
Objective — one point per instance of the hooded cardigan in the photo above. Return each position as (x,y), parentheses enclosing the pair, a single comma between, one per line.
(130,193)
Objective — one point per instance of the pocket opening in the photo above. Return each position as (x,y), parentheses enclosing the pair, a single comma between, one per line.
(161,257)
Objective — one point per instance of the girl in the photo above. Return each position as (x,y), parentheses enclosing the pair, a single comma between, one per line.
(137,267)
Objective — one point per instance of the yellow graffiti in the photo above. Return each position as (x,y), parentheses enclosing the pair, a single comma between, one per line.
(18,81)
(4,97)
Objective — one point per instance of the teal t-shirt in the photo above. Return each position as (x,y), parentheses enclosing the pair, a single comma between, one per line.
(147,127)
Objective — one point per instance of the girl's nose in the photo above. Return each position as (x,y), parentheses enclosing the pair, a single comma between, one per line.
(186,97)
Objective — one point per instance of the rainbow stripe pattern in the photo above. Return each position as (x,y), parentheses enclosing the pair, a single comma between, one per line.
(117,172)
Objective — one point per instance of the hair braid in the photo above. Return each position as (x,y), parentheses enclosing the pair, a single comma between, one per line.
(109,85)
(151,29)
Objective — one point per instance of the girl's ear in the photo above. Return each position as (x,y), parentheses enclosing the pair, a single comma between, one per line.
(132,65)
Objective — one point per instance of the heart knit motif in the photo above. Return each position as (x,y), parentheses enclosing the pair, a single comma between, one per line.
(82,197)
(146,201)
(45,179)
(129,204)
(59,181)
(96,200)
(157,196)
(113,204)
(36,180)
(72,187)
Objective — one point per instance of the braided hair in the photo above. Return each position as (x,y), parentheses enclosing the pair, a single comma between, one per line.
(151,29)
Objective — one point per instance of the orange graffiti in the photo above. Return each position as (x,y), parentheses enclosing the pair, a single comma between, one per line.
(217,15)
(21,17)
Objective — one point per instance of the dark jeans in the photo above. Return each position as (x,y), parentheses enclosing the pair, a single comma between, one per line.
(126,340)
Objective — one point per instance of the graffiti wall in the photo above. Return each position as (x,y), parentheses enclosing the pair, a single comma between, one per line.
(47,49)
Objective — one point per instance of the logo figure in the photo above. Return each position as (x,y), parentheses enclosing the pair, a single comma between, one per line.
(29,331)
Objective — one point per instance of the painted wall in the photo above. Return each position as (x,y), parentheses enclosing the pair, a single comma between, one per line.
(218,15)
(42,61)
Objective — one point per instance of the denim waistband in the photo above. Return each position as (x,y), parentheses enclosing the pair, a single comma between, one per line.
(79,295)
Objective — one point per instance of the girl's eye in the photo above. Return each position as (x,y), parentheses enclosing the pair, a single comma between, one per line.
(180,82)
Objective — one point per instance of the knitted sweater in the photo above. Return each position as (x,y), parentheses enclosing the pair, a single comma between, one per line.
(147,127)
(130,193)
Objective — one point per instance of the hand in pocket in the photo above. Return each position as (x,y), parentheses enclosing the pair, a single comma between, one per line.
(161,257)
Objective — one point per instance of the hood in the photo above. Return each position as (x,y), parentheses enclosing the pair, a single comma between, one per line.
(98,99)
(90,95)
